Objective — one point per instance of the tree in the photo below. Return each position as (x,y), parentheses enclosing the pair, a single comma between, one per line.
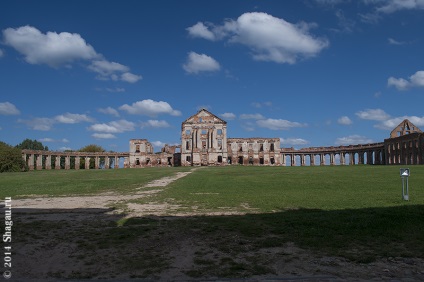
(92,148)
(11,159)
(32,145)
(29,144)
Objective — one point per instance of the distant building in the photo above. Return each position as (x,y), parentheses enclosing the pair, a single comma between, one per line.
(204,142)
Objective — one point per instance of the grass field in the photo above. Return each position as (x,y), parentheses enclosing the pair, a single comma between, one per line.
(353,212)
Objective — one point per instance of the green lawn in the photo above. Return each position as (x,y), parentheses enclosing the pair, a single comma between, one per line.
(269,189)
(354,212)
(78,182)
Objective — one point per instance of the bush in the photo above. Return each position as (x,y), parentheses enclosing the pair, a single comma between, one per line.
(11,159)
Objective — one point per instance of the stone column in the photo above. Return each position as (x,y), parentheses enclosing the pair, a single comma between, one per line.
(49,162)
(31,162)
(312,157)
(57,163)
(87,162)
(126,162)
(77,162)
(293,160)
(97,162)
(68,162)
(283,159)
(302,160)
(116,162)
(322,159)
(351,158)
(332,159)
(361,158)
(107,165)
(39,162)
(342,158)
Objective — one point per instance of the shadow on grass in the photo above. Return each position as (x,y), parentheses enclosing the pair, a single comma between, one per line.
(146,246)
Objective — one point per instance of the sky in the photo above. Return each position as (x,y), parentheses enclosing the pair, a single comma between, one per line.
(310,72)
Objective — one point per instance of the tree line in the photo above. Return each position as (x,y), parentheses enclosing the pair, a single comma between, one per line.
(11,156)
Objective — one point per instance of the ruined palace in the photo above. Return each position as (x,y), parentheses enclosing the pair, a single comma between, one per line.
(204,142)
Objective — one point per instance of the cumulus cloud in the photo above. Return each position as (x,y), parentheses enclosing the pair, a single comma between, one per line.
(155,124)
(158,144)
(72,118)
(201,31)
(390,124)
(109,111)
(251,116)
(197,63)
(353,139)
(118,126)
(269,38)
(103,135)
(228,116)
(59,49)
(53,49)
(8,109)
(278,124)
(344,120)
(415,80)
(150,108)
(42,124)
(373,114)
(293,141)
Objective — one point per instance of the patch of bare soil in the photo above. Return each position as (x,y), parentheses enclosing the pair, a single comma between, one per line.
(83,238)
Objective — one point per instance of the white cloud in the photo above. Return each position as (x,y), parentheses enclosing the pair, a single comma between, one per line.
(158,144)
(390,124)
(155,124)
(118,126)
(269,38)
(109,111)
(373,114)
(200,30)
(72,118)
(251,116)
(150,108)
(64,140)
(415,80)
(1,53)
(59,49)
(131,78)
(344,120)
(278,124)
(395,42)
(200,63)
(103,135)
(391,6)
(293,141)
(353,140)
(46,140)
(42,124)
(116,89)
(228,116)
(62,149)
(8,109)
(53,49)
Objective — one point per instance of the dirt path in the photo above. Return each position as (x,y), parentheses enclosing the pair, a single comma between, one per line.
(99,201)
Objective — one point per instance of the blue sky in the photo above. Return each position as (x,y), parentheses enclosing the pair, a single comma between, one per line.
(311,72)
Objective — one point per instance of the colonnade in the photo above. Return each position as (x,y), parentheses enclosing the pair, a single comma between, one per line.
(53,160)
(371,154)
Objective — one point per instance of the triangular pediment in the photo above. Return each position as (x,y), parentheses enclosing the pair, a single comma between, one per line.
(204,116)
(404,128)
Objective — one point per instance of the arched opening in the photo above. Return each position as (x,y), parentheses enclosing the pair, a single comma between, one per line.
(240,160)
